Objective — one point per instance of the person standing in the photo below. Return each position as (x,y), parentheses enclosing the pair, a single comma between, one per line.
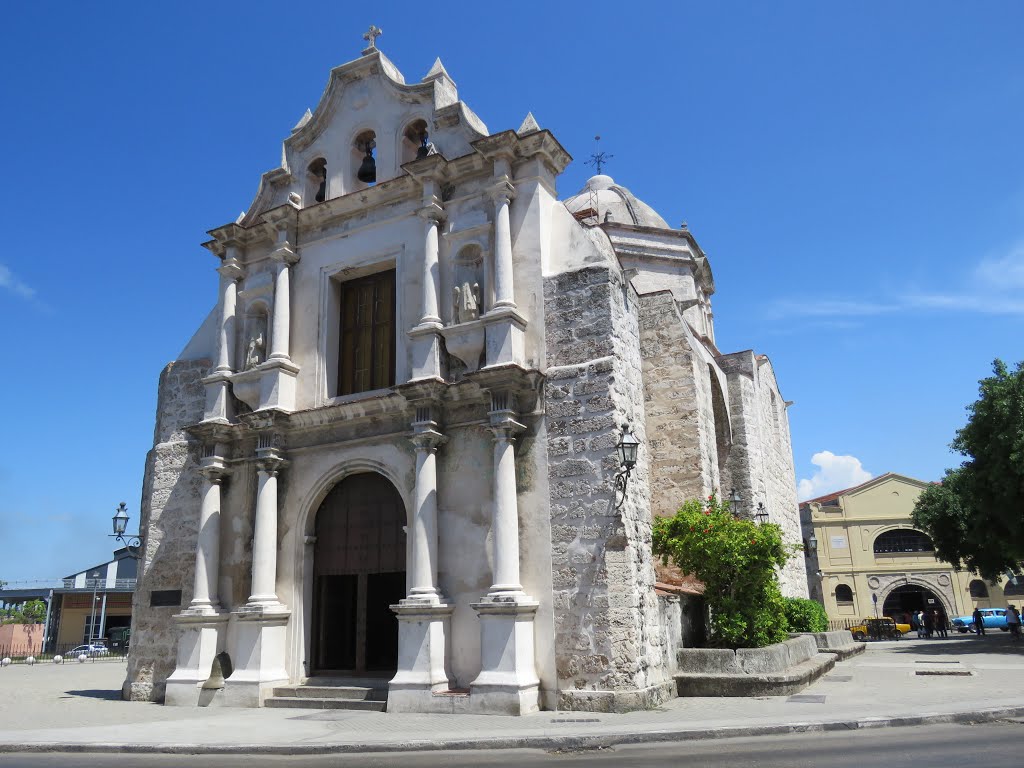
(915,622)
(1013,622)
(979,622)
(929,623)
(940,623)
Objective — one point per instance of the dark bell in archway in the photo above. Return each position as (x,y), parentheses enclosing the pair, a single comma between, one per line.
(367,172)
(424,148)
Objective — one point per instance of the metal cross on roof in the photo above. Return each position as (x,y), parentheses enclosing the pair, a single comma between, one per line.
(599,158)
(371,35)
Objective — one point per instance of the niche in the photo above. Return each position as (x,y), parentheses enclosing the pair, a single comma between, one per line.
(414,141)
(468,278)
(316,180)
(257,341)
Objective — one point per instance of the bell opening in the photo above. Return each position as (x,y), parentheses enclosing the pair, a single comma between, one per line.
(363,154)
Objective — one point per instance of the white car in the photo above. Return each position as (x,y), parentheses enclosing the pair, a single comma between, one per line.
(94,649)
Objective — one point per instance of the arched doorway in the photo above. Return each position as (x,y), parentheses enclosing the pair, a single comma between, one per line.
(358,573)
(909,598)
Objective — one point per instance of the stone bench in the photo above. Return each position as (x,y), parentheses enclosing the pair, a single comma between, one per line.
(775,670)
(839,642)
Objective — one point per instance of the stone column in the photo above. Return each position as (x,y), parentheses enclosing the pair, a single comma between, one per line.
(424,523)
(508,682)
(423,617)
(229,275)
(281,322)
(202,624)
(504,292)
(264,542)
(431,278)
(205,599)
(505,524)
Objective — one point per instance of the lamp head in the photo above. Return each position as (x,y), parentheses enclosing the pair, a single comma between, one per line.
(627,449)
(120,520)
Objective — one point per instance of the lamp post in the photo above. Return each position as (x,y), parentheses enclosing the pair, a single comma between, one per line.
(626,449)
(761,515)
(734,502)
(133,541)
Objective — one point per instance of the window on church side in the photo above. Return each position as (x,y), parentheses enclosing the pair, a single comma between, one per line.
(367,345)
(978,589)
(843,593)
(902,540)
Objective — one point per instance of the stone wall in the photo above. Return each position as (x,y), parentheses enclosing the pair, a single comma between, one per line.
(677,404)
(169,522)
(608,639)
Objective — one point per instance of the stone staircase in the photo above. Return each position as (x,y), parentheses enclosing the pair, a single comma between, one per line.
(366,694)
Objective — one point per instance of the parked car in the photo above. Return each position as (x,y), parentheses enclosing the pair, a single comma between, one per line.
(93,649)
(993,618)
(884,628)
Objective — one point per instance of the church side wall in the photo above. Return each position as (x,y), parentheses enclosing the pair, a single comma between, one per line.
(780,478)
(608,636)
(677,404)
(169,522)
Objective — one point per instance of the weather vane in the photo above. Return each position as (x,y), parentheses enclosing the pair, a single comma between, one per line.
(371,35)
(599,158)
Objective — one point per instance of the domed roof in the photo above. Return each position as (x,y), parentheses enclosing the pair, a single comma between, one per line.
(614,204)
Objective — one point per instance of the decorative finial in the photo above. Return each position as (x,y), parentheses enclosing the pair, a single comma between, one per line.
(370,36)
(599,158)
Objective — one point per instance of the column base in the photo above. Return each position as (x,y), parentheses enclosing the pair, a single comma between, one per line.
(423,629)
(425,345)
(258,656)
(506,333)
(507,683)
(202,638)
(218,403)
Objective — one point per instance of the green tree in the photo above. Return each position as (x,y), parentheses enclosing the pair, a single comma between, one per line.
(737,561)
(974,517)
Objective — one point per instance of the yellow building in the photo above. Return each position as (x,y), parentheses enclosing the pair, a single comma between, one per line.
(863,553)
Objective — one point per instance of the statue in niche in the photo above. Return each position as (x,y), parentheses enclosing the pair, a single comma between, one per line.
(467,303)
(254,354)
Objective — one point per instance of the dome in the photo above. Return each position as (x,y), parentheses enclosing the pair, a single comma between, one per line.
(614,203)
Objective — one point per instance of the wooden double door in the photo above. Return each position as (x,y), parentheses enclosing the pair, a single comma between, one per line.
(359,572)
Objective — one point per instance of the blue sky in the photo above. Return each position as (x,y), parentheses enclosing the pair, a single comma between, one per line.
(854,171)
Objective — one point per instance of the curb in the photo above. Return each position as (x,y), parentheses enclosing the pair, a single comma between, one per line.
(546,742)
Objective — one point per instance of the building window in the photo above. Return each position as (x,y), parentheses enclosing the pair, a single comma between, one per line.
(1014,588)
(844,594)
(902,540)
(367,349)
(978,589)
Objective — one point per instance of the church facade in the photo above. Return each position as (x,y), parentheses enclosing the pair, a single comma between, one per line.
(389,454)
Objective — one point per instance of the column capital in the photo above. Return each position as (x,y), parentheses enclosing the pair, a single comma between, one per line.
(426,438)
(432,211)
(502,190)
(270,458)
(230,269)
(214,473)
(284,254)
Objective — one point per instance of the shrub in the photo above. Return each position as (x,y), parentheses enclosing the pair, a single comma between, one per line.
(805,615)
(737,561)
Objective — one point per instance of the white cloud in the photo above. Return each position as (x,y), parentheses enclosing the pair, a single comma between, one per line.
(834,474)
(993,287)
(12,283)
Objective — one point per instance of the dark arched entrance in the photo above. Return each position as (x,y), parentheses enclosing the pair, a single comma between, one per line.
(358,572)
(905,600)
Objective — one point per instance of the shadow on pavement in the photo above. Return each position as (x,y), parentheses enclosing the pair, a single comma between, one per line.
(93,693)
(993,643)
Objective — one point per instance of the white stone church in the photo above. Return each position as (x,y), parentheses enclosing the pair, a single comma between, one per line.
(387,460)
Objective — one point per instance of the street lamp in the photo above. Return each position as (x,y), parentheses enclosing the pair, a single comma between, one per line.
(132,541)
(734,502)
(812,545)
(626,449)
(761,515)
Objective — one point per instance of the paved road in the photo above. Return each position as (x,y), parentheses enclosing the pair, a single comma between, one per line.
(943,746)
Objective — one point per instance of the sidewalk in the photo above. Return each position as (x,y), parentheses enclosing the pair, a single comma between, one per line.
(78,708)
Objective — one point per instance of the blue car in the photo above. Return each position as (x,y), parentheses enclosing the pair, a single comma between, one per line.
(994,618)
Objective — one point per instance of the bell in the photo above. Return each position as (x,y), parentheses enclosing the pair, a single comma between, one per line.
(220,669)
(368,169)
(424,148)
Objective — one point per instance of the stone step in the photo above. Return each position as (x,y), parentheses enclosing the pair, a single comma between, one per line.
(347,692)
(294,702)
